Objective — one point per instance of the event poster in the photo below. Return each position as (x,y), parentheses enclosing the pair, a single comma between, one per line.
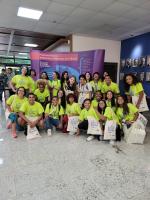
(75,63)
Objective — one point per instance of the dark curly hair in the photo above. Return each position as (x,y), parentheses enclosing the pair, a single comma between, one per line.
(126,85)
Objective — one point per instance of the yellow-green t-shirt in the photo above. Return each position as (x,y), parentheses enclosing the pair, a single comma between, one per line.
(57,85)
(73,109)
(34,110)
(128,117)
(134,90)
(41,96)
(112,87)
(54,111)
(110,114)
(22,81)
(32,84)
(88,113)
(95,103)
(96,86)
(15,102)
(108,104)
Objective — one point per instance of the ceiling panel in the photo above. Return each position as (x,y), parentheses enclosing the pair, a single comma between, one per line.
(96,5)
(134,2)
(35,4)
(140,12)
(50,17)
(60,8)
(69,2)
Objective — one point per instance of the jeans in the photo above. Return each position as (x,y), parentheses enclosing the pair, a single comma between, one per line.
(13,117)
(50,122)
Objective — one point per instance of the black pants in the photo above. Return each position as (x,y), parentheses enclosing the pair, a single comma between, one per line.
(118,133)
(1,93)
(83,125)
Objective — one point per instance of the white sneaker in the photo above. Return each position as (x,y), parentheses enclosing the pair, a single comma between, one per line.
(112,142)
(49,132)
(91,137)
(71,133)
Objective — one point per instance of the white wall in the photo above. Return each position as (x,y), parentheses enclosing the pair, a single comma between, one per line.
(62,48)
(112,47)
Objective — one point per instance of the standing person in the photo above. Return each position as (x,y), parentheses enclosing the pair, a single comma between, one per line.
(21,80)
(14,102)
(31,113)
(109,85)
(42,94)
(3,80)
(84,90)
(44,77)
(133,88)
(33,74)
(71,86)
(104,75)
(88,77)
(64,79)
(55,84)
(53,115)
(96,82)
(10,75)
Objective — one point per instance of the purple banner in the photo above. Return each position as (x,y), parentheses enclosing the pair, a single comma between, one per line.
(75,63)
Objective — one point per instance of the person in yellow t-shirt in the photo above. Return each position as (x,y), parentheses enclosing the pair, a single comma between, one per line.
(110,100)
(42,94)
(53,115)
(127,112)
(14,103)
(88,77)
(96,83)
(72,109)
(22,80)
(55,84)
(44,77)
(31,113)
(109,85)
(133,88)
(64,80)
(106,113)
(87,111)
(97,97)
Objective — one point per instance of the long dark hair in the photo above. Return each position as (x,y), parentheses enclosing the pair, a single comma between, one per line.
(99,109)
(126,85)
(125,105)
(89,74)
(57,74)
(73,87)
(63,99)
(45,74)
(113,104)
(63,79)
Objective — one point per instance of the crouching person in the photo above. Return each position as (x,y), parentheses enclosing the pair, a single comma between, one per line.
(31,113)
(53,115)
(14,103)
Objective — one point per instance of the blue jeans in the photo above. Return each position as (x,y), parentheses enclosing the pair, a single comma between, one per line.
(13,117)
(50,122)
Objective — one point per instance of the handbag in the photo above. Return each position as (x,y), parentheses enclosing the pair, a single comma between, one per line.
(135,134)
(32,133)
(142,119)
(143,105)
(94,127)
(73,122)
(110,130)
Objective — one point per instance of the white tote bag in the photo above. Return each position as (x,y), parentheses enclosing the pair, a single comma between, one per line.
(135,134)
(32,133)
(143,105)
(73,122)
(142,119)
(110,130)
(82,97)
(94,127)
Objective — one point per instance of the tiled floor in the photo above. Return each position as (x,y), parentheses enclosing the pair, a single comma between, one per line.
(65,167)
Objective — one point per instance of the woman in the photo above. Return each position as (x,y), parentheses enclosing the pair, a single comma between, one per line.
(71,86)
(72,109)
(33,74)
(64,79)
(110,100)
(97,97)
(84,90)
(14,103)
(55,84)
(133,88)
(127,112)
(44,77)
(22,80)
(53,115)
(96,84)
(88,77)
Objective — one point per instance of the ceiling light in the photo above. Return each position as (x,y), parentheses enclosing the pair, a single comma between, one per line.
(21,53)
(30,45)
(29,13)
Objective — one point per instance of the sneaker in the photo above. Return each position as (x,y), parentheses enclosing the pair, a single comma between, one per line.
(14,135)
(71,133)
(49,132)
(112,142)
(91,137)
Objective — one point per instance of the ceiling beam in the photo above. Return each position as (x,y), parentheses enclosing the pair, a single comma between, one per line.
(10,41)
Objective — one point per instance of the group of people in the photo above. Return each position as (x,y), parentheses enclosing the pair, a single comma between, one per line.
(45,103)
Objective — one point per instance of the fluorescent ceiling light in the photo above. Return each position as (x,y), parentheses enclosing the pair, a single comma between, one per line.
(21,53)
(30,45)
(29,13)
